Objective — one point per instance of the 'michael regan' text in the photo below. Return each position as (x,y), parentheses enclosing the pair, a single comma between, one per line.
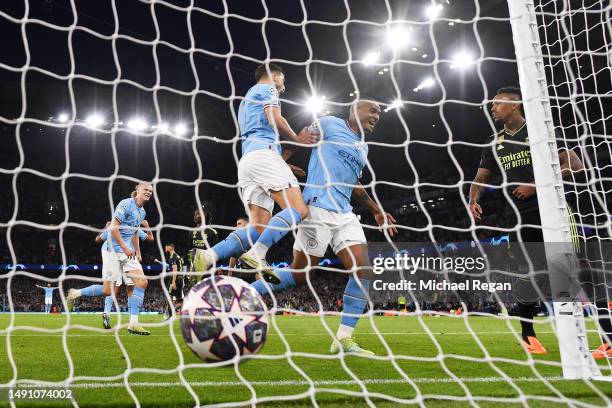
(438,285)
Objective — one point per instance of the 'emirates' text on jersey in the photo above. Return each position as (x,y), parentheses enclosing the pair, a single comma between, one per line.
(335,166)
(257,133)
(514,155)
(130,216)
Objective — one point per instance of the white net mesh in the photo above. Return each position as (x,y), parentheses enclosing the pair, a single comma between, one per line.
(102,95)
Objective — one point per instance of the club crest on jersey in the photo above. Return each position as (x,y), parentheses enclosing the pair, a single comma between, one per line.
(122,208)
(312,243)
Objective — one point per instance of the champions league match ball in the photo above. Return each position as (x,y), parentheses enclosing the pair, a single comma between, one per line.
(208,328)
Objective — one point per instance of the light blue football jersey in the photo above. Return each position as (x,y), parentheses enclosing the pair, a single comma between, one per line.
(335,166)
(48,293)
(130,216)
(257,133)
(141,235)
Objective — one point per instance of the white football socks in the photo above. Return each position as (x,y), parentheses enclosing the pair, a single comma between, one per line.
(134,320)
(259,250)
(212,256)
(344,332)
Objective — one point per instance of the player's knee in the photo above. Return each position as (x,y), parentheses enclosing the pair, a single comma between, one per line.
(364,270)
(106,290)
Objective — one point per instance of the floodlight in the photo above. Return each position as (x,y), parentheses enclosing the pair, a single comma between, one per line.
(397,37)
(180,129)
(433,11)
(462,60)
(370,58)
(397,103)
(315,104)
(426,83)
(94,120)
(137,124)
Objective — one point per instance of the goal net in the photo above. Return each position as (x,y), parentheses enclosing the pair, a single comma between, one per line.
(99,96)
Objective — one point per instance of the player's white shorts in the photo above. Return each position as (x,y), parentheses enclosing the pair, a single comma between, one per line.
(260,172)
(323,228)
(124,279)
(115,265)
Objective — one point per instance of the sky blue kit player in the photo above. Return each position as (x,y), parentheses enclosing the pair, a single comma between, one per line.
(339,161)
(48,296)
(264,178)
(120,256)
(108,300)
(333,180)
(130,216)
(257,133)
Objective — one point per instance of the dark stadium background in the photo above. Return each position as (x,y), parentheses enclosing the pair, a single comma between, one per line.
(451,111)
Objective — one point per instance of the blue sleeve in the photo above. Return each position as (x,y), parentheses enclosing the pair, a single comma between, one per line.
(122,210)
(104,235)
(268,95)
(141,234)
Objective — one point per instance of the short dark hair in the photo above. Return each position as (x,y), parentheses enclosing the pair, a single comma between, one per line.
(514,90)
(170,244)
(360,98)
(262,71)
(243,217)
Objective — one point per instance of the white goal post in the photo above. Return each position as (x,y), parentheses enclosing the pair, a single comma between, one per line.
(576,359)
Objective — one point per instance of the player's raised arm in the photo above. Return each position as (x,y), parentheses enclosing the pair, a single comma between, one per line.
(276,119)
(383,219)
(482,177)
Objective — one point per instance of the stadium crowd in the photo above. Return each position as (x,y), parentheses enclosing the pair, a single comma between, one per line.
(26,297)
(40,246)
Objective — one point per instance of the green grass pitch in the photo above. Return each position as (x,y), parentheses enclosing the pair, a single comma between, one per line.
(430,352)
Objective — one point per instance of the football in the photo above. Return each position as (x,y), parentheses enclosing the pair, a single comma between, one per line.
(217,328)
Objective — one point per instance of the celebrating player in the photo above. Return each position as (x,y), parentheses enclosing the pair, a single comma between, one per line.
(263,176)
(129,284)
(333,173)
(511,149)
(48,296)
(175,288)
(120,254)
